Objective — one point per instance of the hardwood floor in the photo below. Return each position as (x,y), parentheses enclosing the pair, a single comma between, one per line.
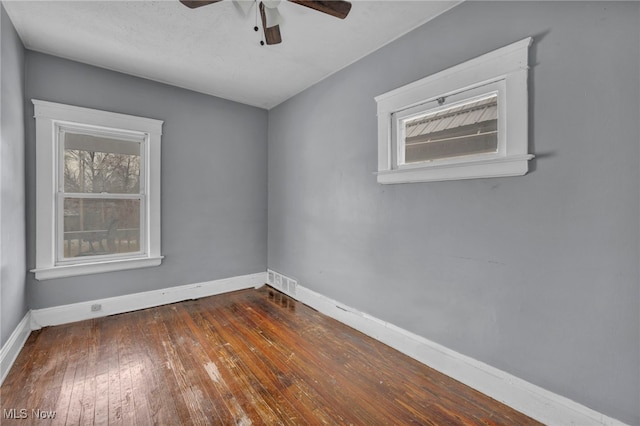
(248,357)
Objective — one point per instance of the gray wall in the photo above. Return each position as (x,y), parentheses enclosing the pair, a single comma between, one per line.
(214,191)
(13,301)
(535,275)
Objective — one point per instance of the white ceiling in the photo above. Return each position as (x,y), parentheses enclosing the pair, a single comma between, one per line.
(214,49)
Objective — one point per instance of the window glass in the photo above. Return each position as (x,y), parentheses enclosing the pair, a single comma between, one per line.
(97,164)
(97,168)
(102,226)
(465,128)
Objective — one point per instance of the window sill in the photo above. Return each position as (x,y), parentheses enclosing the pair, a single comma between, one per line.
(95,268)
(514,165)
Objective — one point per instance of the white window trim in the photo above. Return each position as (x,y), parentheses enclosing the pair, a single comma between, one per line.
(49,116)
(505,69)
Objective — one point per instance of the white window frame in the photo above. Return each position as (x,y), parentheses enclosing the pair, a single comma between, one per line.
(51,120)
(503,71)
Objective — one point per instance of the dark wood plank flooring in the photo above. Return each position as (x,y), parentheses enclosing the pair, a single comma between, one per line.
(242,358)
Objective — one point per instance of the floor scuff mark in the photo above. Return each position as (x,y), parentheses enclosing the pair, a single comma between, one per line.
(212,371)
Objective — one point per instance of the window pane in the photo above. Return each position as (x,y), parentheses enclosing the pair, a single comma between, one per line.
(464,129)
(98,164)
(98,227)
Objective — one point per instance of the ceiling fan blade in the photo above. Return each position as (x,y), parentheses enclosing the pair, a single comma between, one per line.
(338,8)
(271,34)
(193,4)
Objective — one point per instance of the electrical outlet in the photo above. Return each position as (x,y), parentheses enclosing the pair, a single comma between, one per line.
(95,308)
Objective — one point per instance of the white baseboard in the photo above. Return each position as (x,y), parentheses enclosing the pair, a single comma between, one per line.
(534,401)
(132,302)
(13,345)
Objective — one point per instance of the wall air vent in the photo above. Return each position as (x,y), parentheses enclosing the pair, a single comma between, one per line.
(282,283)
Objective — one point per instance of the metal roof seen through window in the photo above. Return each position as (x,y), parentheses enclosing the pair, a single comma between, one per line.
(477,111)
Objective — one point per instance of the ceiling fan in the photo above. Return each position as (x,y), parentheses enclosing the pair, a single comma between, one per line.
(271,18)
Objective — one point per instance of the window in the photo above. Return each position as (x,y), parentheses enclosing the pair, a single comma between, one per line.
(98,191)
(469,121)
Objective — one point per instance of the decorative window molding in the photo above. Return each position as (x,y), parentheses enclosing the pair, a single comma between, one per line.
(97,191)
(466,122)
